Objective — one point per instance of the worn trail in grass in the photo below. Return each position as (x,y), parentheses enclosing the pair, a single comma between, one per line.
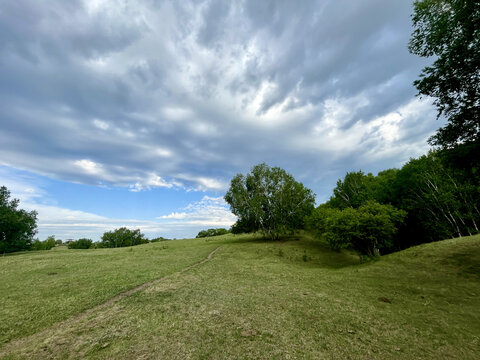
(57,329)
(290,299)
(44,287)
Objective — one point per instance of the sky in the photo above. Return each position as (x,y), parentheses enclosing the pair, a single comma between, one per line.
(138,114)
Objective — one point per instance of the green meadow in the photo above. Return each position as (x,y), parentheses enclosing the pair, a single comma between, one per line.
(249,299)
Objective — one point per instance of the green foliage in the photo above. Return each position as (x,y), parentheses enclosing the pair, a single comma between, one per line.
(368,229)
(353,191)
(81,244)
(47,244)
(439,191)
(440,201)
(269,200)
(122,237)
(243,226)
(449,30)
(316,221)
(17,226)
(212,232)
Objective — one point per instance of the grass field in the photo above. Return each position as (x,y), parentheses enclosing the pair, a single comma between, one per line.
(252,299)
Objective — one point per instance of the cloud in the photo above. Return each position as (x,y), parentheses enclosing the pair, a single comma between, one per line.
(209,211)
(66,223)
(186,94)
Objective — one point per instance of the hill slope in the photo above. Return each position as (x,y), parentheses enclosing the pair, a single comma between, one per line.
(253,299)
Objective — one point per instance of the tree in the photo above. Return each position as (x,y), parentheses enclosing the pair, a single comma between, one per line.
(17,226)
(82,243)
(353,191)
(123,237)
(269,200)
(440,202)
(368,229)
(158,239)
(450,31)
(47,244)
(212,232)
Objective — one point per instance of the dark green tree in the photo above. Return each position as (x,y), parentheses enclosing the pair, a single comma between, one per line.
(269,200)
(440,202)
(353,190)
(47,244)
(449,30)
(122,237)
(82,243)
(17,226)
(212,232)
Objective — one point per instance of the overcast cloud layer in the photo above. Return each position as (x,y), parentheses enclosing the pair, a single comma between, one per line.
(184,94)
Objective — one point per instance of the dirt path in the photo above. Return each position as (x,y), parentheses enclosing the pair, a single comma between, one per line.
(18,343)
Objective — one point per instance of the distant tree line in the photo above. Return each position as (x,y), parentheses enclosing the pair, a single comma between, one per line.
(18,227)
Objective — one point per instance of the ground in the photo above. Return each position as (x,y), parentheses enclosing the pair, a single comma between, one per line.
(242,297)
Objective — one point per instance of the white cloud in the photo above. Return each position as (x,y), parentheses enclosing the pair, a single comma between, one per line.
(89,166)
(175,215)
(152,181)
(185,94)
(68,223)
(209,211)
(103,125)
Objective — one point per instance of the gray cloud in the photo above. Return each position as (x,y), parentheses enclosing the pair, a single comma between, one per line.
(186,94)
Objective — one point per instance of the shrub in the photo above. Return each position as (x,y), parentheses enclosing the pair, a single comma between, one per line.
(81,244)
(122,237)
(47,244)
(212,232)
(158,239)
(368,229)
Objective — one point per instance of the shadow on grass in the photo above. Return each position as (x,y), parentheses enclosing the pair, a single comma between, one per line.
(466,261)
(301,249)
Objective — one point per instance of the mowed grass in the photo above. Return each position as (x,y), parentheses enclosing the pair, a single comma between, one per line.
(254,299)
(41,288)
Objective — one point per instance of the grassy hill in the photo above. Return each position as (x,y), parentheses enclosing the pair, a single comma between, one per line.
(251,299)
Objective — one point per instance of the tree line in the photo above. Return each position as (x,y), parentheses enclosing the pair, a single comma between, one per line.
(433,197)
(430,198)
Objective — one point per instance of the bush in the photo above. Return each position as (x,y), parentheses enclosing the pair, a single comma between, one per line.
(122,237)
(212,232)
(47,244)
(81,244)
(368,229)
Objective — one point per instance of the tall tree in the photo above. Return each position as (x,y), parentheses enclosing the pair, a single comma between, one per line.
(449,30)
(269,200)
(353,190)
(17,226)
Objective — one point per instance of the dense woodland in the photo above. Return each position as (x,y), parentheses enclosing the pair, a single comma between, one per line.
(430,198)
